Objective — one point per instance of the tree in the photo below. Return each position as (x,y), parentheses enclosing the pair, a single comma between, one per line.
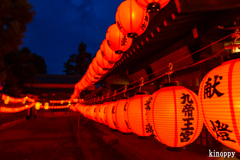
(14,17)
(77,64)
(22,66)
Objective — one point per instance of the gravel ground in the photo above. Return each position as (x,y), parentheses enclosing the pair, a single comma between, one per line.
(56,138)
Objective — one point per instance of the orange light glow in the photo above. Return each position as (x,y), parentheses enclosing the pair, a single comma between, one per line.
(108,54)
(118,116)
(109,116)
(174,116)
(116,40)
(102,62)
(131,19)
(219,98)
(135,114)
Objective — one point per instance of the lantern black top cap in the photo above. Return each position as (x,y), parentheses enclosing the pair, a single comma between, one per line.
(169,84)
(231,56)
(124,98)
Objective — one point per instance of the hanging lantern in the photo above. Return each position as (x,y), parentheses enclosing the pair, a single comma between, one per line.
(152,5)
(135,114)
(109,115)
(108,54)
(37,105)
(92,73)
(102,112)
(90,78)
(104,64)
(116,40)
(96,113)
(118,116)
(98,70)
(219,97)
(131,19)
(174,116)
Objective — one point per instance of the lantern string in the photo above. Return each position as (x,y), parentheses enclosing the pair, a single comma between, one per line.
(201,61)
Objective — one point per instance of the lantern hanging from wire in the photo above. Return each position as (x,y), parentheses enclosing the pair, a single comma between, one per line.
(109,115)
(108,54)
(219,94)
(116,40)
(93,73)
(102,112)
(152,5)
(97,69)
(174,116)
(135,114)
(131,19)
(104,64)
(118,116)
(97,113)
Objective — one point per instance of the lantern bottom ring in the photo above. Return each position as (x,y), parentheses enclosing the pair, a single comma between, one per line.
(132,35)
(118,52)
(175,149)
(153,7)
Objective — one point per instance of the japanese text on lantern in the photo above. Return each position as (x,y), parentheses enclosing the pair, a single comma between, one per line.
(221,130)
(210,90)
(187,110)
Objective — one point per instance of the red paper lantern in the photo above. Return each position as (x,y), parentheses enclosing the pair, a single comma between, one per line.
(98,70)
(104,64)
(108,54)
(109,116)
(102,112)
(219,94)
(174,116)
(131,19)
(135,114)
(92,73)
(118,116)
(116,40)
(152,5)
(96,113)
(91,78)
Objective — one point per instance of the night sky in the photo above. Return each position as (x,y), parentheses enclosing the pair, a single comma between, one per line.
(60,25)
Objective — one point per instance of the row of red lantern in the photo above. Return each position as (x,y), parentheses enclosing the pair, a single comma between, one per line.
(16,109)
(132,19)
(175,112)
(172,114)
(8,99)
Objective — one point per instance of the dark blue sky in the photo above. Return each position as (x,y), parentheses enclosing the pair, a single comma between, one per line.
(60,25)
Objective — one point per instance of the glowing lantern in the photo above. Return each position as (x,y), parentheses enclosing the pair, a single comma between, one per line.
(6,101)
(96,113)
(46,105)
(135,114)
(118,116)
(104,64)
(108,54)
(92,72)
(174,116)
(92,112)
(219,94)
(131,19)
(116,40)
(37,105)
(98,70)
(152,5)
(109,117)
(102,114)
(90,78)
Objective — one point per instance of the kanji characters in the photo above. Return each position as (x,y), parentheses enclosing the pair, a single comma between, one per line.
(221,130)
(210,90)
